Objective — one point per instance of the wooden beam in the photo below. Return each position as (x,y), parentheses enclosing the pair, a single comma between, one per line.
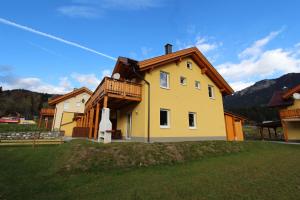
(203,70)
(96,121)
(40,121)
(285,130)
(91,120)
(105,101)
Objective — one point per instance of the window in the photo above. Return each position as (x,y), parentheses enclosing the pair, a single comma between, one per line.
(78,104)
(189,65)
(66,105)
(164,80)
(182,80)
(197,85)
(84,96)
(192,120)
(211,92)
(164,118)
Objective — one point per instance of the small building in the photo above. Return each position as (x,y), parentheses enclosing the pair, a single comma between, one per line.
(234,126)
(288,102)
(66,107)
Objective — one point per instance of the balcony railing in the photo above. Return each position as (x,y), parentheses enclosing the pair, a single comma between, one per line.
(289,114)
(47,111)
(117,89)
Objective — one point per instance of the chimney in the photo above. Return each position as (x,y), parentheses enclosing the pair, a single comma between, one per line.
(168,48)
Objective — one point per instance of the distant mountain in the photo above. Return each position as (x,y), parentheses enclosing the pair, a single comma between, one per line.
(22,102)
(252,101)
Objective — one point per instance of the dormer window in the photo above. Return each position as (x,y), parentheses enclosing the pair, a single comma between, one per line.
(189,65)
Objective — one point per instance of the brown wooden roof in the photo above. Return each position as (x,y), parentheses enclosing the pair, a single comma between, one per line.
(197,56)
(69,95)
(235,115)
(277,100)
(291,91)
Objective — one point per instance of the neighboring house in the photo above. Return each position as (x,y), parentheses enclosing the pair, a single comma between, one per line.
(289,103)
(173,97)
(66,106)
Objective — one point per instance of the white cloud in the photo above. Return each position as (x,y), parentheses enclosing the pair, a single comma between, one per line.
(256,63)
(34,84)
(204,44)
(90,80)
(256,48)
(96,8)
(239,85)
(79,11)
(131,4)
(86,79)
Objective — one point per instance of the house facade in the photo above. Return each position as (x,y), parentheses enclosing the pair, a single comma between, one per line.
(66,106)
(173,97)
(289,104)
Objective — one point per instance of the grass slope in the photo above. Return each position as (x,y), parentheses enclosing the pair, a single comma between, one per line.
(249,170)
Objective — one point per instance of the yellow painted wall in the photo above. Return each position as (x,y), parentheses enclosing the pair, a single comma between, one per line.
(72,108)
(293,130)
(67,123)
(180,100)
(295,105)
(139,112)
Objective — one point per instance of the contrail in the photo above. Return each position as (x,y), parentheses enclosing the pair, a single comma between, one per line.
(25,28)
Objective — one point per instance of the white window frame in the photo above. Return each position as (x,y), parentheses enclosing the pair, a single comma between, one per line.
(168,80)
(189,65)
(184,82)
(199,85)
(195,120)
(212,91)
(168,118)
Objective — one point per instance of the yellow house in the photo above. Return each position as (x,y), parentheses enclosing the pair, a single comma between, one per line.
(289,103)
(173,97)
(66,106)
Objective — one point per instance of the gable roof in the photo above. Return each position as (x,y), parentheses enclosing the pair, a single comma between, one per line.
(69,95)
(277,100)
(197,56)
(291,91)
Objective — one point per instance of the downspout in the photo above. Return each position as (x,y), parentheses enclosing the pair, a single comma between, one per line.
(148,125)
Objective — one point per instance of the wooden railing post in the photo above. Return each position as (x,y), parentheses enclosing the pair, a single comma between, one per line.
(96,121)
(91,120)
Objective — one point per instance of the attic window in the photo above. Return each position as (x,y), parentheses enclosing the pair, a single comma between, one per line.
(189,65)
(182,80)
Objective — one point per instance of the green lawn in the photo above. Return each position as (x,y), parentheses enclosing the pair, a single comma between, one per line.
(204,170)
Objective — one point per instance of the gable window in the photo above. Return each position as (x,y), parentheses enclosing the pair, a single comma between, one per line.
(182,80)
(164,80)
(189,65)
(197,85)
(192,120)
(66,105)
(211,92)
(164,118)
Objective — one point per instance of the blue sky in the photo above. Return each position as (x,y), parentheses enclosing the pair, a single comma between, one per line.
(55,46)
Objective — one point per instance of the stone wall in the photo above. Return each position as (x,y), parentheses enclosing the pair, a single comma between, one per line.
(29,135)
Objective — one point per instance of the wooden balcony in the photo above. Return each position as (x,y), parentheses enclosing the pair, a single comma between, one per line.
(290,114)
(47,112)
(116,91)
